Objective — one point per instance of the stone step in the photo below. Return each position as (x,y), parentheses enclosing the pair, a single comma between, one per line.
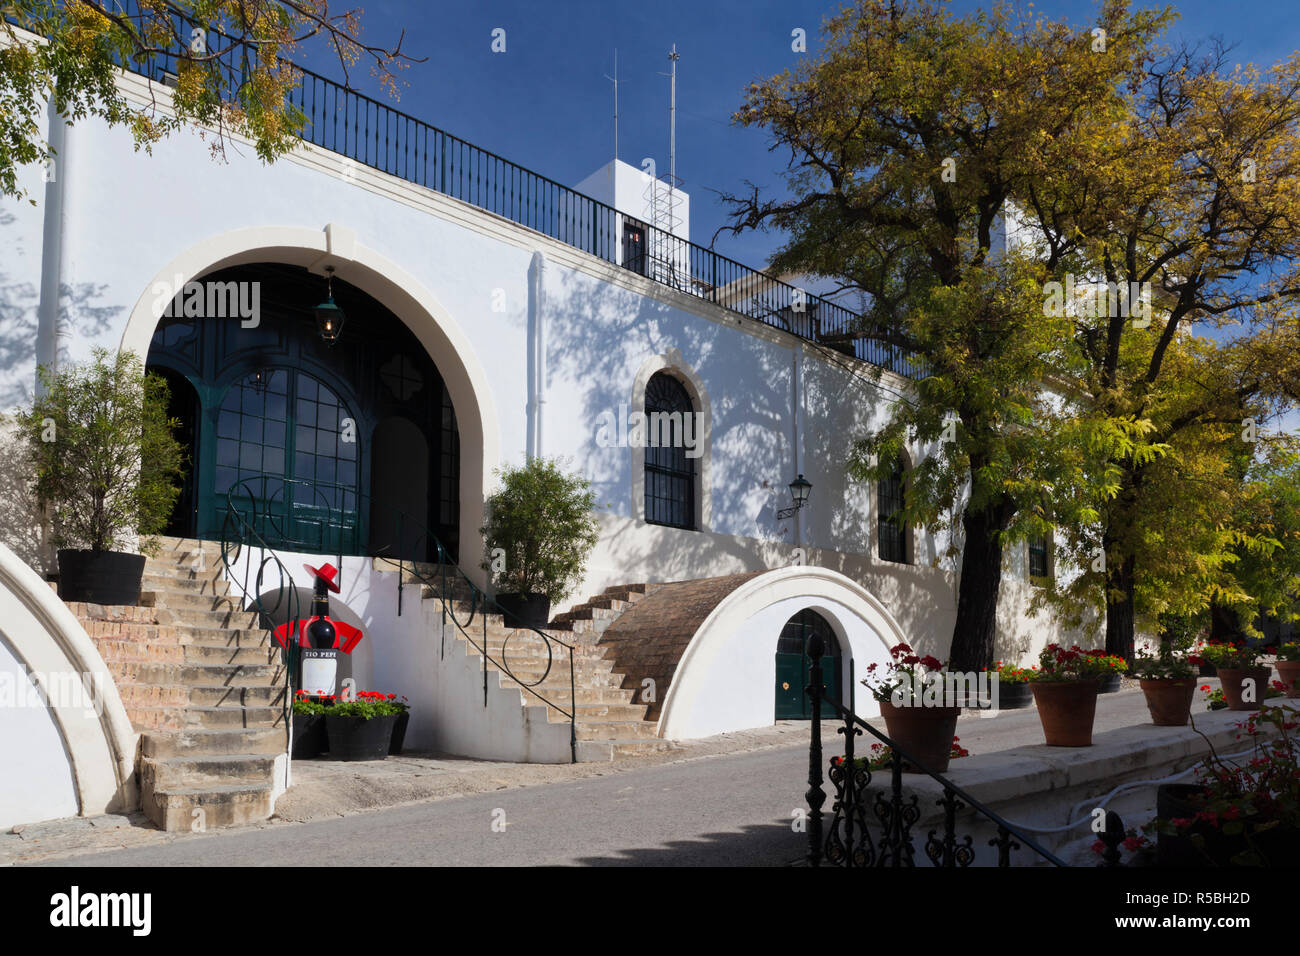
(218,654)
(183,582)
(558,693)
(164,696)
(189,599)
(606,729)
(191,616)
(223,805)
(230,675)
(209,770)
(211,742)
(137,651)
(236,697)
(231,717)
(603,751)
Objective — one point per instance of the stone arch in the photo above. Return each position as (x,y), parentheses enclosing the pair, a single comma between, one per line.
(401,293)
(714,688)
(672,362)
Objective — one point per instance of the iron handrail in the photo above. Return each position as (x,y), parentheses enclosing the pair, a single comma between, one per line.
(393,142)
(482,605)
(896,816)
(286,596)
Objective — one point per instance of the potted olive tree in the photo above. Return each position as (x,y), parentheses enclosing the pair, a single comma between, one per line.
(106,465)
(538,536)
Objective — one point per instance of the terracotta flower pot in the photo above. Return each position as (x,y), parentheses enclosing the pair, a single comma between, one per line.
(1289,673)
(924,732)
(1234,679)
(1066,710)
(1169,700)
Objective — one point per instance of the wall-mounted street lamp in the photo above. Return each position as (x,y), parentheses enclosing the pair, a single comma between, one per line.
(329,317)
(799,489)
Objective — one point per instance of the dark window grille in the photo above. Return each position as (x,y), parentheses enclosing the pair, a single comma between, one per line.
(1039,566)
(893,532)
(634,254)
(669,472)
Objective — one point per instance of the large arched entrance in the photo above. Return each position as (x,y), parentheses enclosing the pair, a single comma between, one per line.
(288,424)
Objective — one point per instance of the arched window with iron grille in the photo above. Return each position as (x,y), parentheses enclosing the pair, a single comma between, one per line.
(670,474)
(892,529)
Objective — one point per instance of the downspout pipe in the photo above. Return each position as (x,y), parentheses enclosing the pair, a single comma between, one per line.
(798,419)
(54,242)
(536,354)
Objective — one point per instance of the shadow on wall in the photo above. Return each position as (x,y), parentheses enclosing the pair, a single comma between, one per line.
(20,515)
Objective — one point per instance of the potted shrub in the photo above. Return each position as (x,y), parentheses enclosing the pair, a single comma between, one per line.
(308,718)
(1243,679)
(1013,686)
(1238,812)
(1065,689)
(538,536)
(361,729)
(919,717)
(1168,682)
(107,466)
(1288,668)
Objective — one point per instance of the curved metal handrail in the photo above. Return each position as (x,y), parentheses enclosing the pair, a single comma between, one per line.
(481,605)
(286,592)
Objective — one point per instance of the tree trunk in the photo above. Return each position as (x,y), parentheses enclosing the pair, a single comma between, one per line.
(975,630)
(1224,627)
(1120,607)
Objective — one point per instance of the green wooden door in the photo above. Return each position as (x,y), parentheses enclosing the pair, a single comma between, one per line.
(794,668)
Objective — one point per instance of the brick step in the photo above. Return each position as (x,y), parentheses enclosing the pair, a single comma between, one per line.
(236,697)
(210,742)
(156,719)
(223,805)
(585,612)
(166,696)
(176,634)
(137,651)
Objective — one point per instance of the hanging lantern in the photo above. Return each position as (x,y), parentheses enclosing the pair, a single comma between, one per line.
(329,317)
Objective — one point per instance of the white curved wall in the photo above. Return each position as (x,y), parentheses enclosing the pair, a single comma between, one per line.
(73,753)
(726,679)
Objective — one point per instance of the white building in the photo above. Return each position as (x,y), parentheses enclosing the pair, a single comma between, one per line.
(491,315)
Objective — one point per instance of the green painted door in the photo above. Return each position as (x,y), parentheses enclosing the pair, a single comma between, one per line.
(793,667)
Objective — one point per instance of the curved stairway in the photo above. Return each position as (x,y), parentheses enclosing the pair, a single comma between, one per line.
(204,687)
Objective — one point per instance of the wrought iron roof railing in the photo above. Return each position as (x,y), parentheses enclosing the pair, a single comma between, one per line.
(366,131)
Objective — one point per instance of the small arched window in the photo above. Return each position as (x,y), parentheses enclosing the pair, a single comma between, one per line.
(670,473)
(892,530)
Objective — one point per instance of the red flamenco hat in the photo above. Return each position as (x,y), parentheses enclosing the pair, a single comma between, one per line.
(326,573)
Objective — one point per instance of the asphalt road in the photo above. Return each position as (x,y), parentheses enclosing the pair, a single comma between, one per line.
(721,811)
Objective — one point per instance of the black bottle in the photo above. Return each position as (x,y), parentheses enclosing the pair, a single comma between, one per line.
(320,632)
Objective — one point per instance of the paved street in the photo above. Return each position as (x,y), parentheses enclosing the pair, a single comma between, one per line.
(725,811)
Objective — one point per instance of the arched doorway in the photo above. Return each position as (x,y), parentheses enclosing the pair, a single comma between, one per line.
(793,667)
(287,421)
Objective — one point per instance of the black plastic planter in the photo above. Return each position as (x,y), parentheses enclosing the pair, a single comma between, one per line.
(399,733)
(525,610)
(308,736)
(356,738)
(1014,696)
(1110,684)
(100,577)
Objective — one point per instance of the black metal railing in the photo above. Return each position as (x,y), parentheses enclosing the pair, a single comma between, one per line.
(273,594)
(327,520)
(873,827)
(374,134)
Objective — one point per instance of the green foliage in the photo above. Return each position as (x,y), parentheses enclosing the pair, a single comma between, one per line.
(541,520)
(234,83)
(102,451)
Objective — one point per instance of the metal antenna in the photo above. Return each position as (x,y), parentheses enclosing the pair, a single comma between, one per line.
(614,79)
(672,127)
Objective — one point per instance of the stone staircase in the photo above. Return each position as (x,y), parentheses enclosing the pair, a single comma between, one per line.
(204,686)
(610,721)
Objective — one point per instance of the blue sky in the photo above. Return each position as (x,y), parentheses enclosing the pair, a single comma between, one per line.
(545,102)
